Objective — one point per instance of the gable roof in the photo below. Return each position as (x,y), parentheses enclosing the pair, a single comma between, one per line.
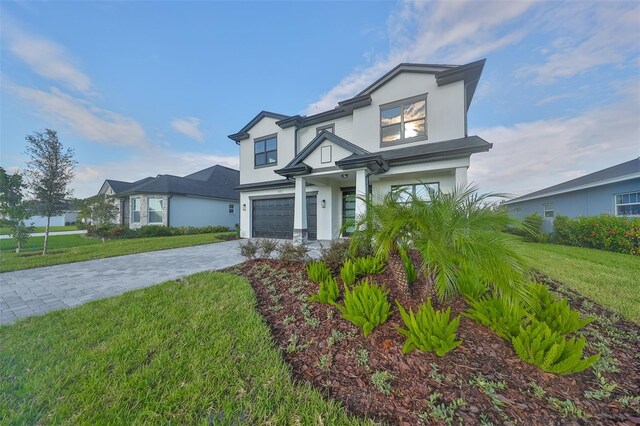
(213,182)
(119,186)
(242,134)
(620,172)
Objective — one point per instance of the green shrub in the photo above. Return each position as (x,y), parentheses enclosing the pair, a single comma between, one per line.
(267,246)
(366,306)
(335,253)
(348,272)
(328,292)
(429,330)
(470,284)
(532,225)
(318,272)
(605,232)
(409,268)
(369,265)
(495,313)
(537,344)
(147,231)
(288,252)
(555,313)
(249,249)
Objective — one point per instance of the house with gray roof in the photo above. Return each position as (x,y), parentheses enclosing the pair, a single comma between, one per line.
(614,191)
(204,198)
(303,177)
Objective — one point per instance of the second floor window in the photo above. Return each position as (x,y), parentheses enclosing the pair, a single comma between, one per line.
(266,151)
(403,121)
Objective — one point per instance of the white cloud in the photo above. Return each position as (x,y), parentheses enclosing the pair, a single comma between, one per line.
(82,117)
(46,58)
(189,126)
(534,155)
(435,32)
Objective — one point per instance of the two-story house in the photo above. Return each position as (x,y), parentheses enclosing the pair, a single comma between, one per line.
(303,177)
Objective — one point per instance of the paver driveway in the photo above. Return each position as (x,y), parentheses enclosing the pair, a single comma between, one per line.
(37,291)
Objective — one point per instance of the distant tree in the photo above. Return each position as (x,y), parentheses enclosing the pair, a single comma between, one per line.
(49,171)
(98,210)
(13,207)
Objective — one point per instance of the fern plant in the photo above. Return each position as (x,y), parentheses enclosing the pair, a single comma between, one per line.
(495,313)
(555,313)
(429,330)
(409,268)
(328,292)
(369,265)
(367,306)
(318,272)
(348,272)
(539,345)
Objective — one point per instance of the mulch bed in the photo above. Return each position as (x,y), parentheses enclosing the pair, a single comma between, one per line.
(333,367)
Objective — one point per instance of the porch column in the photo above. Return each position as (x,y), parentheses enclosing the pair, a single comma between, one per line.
(300,231)
(461,176)
(361,193)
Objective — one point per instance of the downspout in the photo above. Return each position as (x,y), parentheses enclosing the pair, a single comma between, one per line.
(295,141)
(169,210)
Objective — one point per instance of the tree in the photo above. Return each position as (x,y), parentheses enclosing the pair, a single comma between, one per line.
(99,209)
(13,208)
(49,171)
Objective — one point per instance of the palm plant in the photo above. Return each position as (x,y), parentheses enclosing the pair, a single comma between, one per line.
(456,232)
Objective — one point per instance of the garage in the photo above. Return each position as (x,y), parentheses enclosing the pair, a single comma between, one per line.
(273,217)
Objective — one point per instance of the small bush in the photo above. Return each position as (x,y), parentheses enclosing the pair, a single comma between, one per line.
(470,284)
(532,226)
(555,313)
(368,265)
(288,252)
(318,272)
(328,292)
(537,344)
(249,249)
(496,314)
(348,273)
(429,330)
(267,247)
(147,231)
(335,254)
(409,268)
(611,233)
(366,306)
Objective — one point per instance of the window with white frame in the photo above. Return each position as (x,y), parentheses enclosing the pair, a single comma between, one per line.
(548,210)
(232,209)
(403,121)
(135,210)
(628,204)
(155,207)
(418,190)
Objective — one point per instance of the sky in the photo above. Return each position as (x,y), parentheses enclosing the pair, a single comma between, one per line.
(141,88)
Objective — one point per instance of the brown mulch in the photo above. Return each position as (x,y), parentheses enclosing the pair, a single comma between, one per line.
(418,375)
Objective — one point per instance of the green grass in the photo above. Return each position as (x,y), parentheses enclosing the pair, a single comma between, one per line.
(6,230)
(610,279)
(76,248)
(193,351)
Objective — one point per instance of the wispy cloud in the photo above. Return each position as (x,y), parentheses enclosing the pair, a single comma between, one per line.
(553,98)
(82,117)
(189,126)
(46,58)
(440,32)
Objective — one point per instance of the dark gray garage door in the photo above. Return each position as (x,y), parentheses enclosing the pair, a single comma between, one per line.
(273,217)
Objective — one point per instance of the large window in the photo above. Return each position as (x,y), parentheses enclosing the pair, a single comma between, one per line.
(418,190)
(628,204)
(266,151)
(135,210)
(156,209)
(403,121)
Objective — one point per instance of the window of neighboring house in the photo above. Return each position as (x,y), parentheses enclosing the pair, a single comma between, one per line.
(135,210)
(329,128)
(156,209)
(403,121)
(418,190)
(548,210)
(266,151)
(628,204)
(232,209)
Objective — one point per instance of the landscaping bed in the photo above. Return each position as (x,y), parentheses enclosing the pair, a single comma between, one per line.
(482,381)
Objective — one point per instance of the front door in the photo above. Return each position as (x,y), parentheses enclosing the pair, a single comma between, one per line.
(348,212)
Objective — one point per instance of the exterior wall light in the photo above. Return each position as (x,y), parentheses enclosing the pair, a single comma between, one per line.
(244,207)
(323,203)
(344,175)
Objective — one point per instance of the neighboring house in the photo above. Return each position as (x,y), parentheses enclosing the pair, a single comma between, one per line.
(301,176)
(614,191)
(200,199)
(65,218)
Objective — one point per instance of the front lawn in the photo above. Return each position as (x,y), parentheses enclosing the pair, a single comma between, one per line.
(192,351)
(612,279)
(75,248)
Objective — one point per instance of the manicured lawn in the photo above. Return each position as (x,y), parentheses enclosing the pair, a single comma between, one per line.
(192,351)
(75,248)
(5,230)
(611,279)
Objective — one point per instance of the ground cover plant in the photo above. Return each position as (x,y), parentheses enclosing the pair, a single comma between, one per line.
(192,351)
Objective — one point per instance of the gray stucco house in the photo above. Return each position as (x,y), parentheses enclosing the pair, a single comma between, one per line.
(614,191)
(203,198)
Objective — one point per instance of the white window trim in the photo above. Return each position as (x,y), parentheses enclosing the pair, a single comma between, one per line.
(414,185)
(548,207)
(149,211)
(616,204)
(132,210)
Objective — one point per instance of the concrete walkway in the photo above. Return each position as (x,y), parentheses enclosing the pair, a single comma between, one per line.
(51,234)
(37,291)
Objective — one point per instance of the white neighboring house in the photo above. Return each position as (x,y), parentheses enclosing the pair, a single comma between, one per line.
(203,198)
(66,218)
(301,176)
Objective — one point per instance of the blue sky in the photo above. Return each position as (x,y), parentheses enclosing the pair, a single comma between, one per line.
(146,88)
